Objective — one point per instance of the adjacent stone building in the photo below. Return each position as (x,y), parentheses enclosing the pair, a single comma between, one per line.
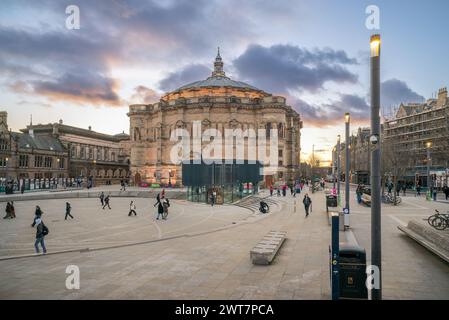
(416,127)
(30,156)
(217,102)
(102,156)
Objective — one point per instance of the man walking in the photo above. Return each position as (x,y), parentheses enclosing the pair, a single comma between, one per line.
(307,203)
(446,191)
(132,209)
(68,208)
(102,198)
(41,232)
(106,202)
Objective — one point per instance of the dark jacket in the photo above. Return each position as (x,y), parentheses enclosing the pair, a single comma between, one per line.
(307,201)
(160,208)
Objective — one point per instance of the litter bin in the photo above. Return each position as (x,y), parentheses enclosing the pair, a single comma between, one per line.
(352,272)
(331,201)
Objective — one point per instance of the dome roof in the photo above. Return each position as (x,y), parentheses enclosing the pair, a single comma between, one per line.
(218,79)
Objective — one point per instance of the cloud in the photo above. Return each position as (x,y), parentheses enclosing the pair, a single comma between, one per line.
(281,68)
(144,95)
(394,92)
(190,73)
(332,113)
(88,89)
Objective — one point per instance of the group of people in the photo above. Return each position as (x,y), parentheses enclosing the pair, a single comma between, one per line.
(10,211)
(104,200)
(294,188)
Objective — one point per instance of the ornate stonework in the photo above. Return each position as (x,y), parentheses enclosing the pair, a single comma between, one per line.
(217,102)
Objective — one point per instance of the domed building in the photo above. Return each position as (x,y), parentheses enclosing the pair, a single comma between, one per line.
(218,102)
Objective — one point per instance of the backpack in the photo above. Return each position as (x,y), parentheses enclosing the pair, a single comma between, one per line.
(45,230)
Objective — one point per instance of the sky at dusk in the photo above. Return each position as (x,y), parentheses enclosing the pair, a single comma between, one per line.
(315,53)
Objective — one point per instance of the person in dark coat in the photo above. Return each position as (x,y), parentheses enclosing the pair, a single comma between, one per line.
(446,191)
(160,210)
(12,211)
(102,198)
(41,232)
(307,203)
(68,208)
(106,202)
(8,211)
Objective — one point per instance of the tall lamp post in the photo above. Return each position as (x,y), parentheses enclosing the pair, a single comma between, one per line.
(376,248)
(334,165)
(429,159)
(347,163)
(338,169)
(169,178)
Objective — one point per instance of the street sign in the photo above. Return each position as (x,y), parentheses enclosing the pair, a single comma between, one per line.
(345,210)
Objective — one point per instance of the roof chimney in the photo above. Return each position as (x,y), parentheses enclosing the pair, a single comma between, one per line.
(30,130)
(442,97)
(90,128)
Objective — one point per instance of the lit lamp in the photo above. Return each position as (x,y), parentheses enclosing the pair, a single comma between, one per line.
(347,117)
(429,181)
(375,45)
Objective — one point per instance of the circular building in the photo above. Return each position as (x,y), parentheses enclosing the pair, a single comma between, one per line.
(220,103)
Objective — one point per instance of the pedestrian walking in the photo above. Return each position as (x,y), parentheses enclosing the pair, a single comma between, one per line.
(106,202)
(68,209)
(132,209)
(212,199)
(41,232)
(446,191)
(8,211)
(418,190)
(165,205)
(271,190)
(434,192)
(12,211)
(404,189)
(22,188)
(358,193)
(160,209)
(102,198)
(307,203)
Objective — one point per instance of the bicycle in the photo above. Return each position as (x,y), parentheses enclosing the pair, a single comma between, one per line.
(439,221)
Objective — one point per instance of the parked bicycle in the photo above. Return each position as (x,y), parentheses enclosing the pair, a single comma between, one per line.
(389,198)
(439,221)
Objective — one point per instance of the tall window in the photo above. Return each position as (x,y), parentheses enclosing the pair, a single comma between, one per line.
(98,153)
(38,161)
(73,152)
(281,130)
(3,162)
(268,129)
(61,163)
(91,153)
(82,152)
(3,144)
(23,161)
(48,162)
(113,156)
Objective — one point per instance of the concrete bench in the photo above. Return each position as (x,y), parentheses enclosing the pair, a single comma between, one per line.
(265,251)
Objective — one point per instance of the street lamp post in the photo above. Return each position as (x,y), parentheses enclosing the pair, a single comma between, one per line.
(169,178)
(376,248)
(429,180)
(347,163)
(334,165)
(338,169)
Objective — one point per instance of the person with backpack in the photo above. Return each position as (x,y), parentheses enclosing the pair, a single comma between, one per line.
(160,208)
(165,205)
(12,211)
(68,208)
(106,202)
(41,232)
(132,209)
(307,203)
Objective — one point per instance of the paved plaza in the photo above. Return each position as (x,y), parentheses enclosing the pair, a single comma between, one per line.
(202,252)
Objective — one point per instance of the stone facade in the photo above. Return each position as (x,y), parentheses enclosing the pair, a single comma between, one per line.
(24,155)
(220,103)
(102,156)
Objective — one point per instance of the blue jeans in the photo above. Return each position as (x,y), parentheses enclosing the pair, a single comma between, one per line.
(41,241)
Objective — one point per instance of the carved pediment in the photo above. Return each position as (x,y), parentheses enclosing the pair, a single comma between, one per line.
(206,123)
(180,124)
(234,123)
